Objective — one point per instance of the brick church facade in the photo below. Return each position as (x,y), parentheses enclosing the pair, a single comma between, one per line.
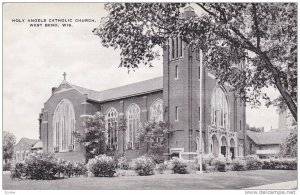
(187,97)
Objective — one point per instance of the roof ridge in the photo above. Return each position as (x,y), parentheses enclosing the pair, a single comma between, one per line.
(131,84)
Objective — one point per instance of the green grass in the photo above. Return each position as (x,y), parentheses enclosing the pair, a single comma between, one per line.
(217,180)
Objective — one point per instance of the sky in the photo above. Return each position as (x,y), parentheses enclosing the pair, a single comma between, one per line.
(34,59)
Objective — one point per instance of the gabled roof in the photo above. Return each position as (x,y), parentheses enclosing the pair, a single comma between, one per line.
(30,142)
(268,138)
(37,145)
(83,90)
(139,88)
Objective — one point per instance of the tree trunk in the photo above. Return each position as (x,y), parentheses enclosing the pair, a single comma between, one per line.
(286,96)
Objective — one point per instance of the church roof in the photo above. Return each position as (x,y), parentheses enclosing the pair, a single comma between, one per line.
(268,138)
(83,90)
(139,88)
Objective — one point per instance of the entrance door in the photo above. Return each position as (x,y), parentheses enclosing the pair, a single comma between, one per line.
(223,150)
(232,152)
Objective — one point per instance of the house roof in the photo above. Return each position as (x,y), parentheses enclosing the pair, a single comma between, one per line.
(30,141)
(139,88)
(268,138)
(38,144)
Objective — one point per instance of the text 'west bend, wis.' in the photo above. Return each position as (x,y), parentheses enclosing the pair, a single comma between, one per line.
(52,22)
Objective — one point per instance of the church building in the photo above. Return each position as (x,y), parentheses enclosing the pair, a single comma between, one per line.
(188,97)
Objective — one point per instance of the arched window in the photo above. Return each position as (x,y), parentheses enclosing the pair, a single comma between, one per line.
(219,109)
(63,127)
(133,125)
(112,128)
(156,110)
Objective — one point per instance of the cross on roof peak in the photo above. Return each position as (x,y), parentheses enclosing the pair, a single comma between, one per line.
(65,75)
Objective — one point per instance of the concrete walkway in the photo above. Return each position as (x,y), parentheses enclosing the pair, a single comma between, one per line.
(290,185)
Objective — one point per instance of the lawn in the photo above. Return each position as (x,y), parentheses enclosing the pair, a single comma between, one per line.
(217,180)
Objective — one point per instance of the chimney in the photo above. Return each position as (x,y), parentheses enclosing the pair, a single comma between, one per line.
(189,12)
(53,90)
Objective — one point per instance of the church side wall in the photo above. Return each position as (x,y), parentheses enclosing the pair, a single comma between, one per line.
(144,102)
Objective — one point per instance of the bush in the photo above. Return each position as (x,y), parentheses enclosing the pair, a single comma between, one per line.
(41,166)
(122,163)
(178,165)
(156,158)
(143,165)
(206,162)
(281,163)
(18,170)
(160,168)
(219,163)
(102,166)
(68,168)
(6,166)
(207,159)
(253,162)
(238,164)
(45,166)
(79,168)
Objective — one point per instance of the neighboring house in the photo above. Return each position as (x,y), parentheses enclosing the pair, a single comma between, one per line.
(23,147)
(265,144)
(175,98)
(38,146)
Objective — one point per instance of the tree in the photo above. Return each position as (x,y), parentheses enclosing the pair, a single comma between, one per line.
(93,137)
(260,36)
(255,129)
(153,138)
(9,141)
(290,147)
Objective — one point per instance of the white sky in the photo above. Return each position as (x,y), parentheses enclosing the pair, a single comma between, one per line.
(35,59)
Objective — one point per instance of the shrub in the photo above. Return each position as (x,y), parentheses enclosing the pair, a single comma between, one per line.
(207,159)
(219,163)
(18,170)
(122,163)
(41,166)
(160,168)
(253,162)
(156,158)
(238,164)
(178,165)
(79,168)
(143,165)
(281,163)
(6,166)
(102,166)
(68,168)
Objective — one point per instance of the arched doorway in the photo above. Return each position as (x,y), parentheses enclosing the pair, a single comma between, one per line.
(223,146)
(215,146)
(232,148)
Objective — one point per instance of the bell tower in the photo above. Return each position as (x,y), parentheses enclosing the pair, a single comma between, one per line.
(181,93)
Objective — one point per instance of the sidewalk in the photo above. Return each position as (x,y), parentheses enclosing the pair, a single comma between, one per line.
(290,185)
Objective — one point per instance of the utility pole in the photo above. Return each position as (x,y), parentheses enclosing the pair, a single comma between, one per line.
(200,113)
